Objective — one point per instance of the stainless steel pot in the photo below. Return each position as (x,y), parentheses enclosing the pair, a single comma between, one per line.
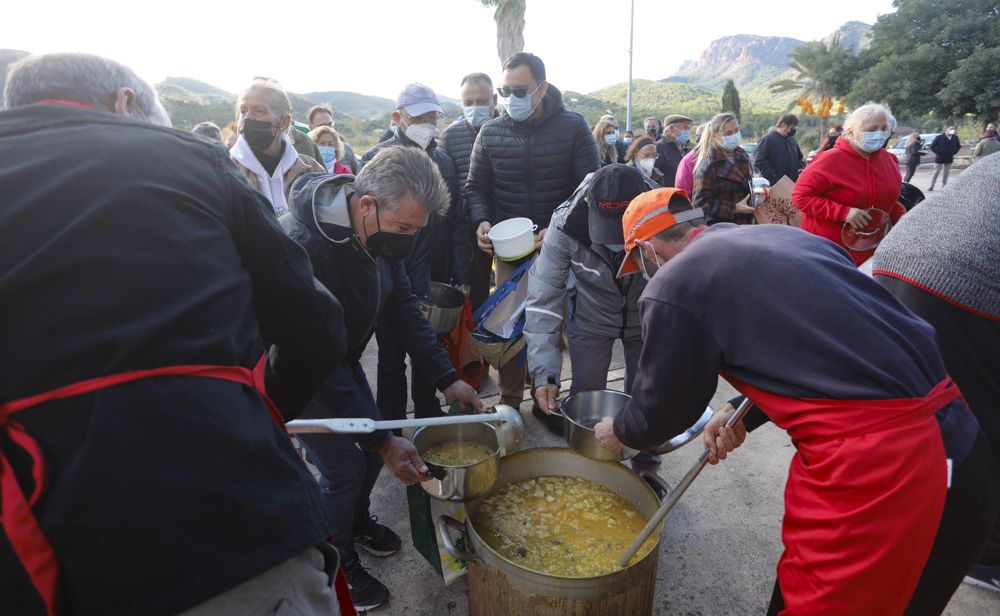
(459,483)
(442,307)
(584,410)
(561,593)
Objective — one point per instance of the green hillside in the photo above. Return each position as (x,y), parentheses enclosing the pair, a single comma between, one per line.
(659,99)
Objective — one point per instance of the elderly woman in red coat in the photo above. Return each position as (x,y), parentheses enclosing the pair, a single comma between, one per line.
(855,175)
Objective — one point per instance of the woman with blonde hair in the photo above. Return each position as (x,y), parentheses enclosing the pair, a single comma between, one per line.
(264,151)
(722,173)
(606,136)
(331,147)
(843,183)
(913,145)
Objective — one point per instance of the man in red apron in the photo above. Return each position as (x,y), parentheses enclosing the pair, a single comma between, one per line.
(881,431)
(144,468)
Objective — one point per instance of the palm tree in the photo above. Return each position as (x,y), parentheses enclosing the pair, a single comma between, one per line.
(509,16)
(824,74)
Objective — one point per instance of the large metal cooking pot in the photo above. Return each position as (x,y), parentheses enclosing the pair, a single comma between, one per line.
(442,307)
(508,588)
(584,410)
(459,483)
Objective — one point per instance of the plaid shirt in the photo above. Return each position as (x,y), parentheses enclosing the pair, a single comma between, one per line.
(720,181)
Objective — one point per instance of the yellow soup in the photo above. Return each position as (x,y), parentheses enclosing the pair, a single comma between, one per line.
(565,526)
(457,453)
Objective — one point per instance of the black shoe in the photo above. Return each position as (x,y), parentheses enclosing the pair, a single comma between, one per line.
(366,592)
(377,539)
(554,423)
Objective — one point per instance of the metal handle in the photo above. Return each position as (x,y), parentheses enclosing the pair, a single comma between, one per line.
(688,435)
(661,483)
(676,494)
(445,523)
(358,425)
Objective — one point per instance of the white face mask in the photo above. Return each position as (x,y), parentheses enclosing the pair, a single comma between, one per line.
(646,166)
(642,260)
(421,134)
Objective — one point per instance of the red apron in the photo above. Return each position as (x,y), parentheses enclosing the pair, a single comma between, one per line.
(19,523)
(865,494)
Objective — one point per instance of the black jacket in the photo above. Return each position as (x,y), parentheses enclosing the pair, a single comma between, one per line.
(668,157)
(777,156)
(527,169)
(945,148)
(142,247)
(913,154)
(457,141)
(368,287)
(442,250)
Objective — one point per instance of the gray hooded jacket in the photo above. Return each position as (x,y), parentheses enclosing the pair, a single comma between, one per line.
(602,304)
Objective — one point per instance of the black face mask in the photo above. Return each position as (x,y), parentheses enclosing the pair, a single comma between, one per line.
(653,133)
(390,246)
(791,131)
(258,133)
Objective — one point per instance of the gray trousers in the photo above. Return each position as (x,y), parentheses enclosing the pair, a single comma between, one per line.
(590,355)
(297,587)
(937,169)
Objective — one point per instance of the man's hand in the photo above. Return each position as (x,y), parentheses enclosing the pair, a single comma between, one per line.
(605,434)
(741,206)
(858,219)
(721,440)
(540,238)
(483,239)
(403,460)
(547,398)
(465,395)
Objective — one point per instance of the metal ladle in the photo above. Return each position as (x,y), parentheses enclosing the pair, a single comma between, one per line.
(510,425)
(674,496)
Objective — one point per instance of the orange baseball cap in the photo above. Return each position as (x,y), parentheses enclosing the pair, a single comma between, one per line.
(648,215)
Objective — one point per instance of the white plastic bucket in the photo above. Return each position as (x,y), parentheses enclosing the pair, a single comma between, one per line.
(513,238)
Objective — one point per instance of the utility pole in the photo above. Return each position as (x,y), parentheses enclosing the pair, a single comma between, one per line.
(631,32)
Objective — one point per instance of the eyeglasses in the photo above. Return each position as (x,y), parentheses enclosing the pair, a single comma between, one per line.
(520,92)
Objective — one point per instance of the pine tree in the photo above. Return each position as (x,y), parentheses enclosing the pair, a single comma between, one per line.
(731,98)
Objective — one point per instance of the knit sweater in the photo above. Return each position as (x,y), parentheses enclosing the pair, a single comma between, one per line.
(948,244)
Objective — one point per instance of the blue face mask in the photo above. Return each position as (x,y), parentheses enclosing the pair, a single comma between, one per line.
(329,156)
(731,142)
(615,248)
(873,140)
(476,115)
(519,108)
(683,137)
(611,138)
(627,141)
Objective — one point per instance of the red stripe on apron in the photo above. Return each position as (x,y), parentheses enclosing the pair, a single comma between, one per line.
(865,494)
(19,523)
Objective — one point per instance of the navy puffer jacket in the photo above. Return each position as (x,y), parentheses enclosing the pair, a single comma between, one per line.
(529,168)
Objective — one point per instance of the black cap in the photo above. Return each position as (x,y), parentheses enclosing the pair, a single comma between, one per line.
(611,190)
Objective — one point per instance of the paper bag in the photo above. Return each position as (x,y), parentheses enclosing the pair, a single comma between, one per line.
(779,209)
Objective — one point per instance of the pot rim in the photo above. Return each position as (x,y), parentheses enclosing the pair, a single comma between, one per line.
(478,540)
(578,424)
(494,449)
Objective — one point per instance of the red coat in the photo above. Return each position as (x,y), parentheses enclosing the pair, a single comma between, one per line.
(839,179)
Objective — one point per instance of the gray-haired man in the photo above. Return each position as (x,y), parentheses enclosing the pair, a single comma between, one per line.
(358,232)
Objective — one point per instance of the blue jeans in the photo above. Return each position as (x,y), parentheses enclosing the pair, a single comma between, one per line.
(392,380)
(347,473)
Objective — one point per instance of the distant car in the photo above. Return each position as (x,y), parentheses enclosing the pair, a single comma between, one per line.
(899,148)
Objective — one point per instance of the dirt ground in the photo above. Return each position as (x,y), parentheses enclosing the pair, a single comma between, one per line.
(720,545)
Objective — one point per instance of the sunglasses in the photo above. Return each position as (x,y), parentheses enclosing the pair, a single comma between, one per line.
(521,92)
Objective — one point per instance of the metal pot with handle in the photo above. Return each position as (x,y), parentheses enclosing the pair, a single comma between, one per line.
(584,410)
(499,586)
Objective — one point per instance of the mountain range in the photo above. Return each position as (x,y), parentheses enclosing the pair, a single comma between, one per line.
(752,62)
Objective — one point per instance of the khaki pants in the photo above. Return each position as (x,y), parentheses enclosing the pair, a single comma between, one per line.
(297,587)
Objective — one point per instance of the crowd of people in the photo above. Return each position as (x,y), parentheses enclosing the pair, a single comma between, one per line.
(201,289)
